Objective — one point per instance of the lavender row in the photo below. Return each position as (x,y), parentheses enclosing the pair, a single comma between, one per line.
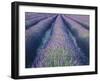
(81,35)
(33,38)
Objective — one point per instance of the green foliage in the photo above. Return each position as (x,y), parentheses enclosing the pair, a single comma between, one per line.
(58,57)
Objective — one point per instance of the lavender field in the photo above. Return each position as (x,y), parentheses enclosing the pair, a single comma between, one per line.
(55,40)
